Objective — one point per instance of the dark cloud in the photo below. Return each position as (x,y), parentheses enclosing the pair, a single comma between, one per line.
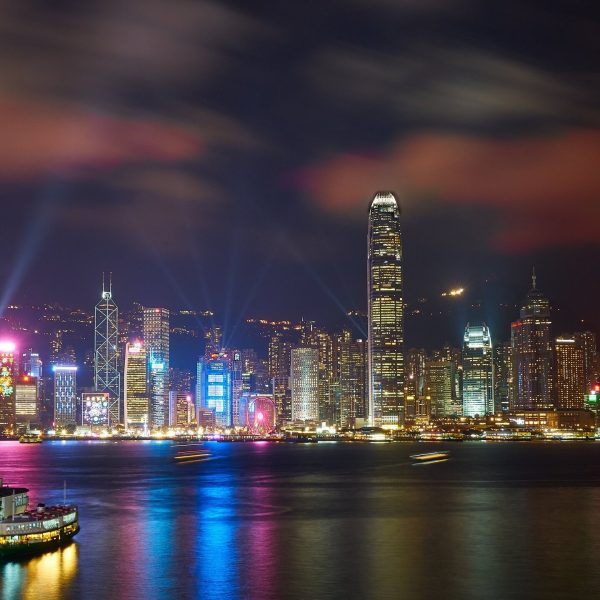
(104,52)
(429,85)
(544,191)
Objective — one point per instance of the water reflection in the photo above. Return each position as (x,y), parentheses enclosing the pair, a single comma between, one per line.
(217,545)
(48,576)
(259,533)
(311,521)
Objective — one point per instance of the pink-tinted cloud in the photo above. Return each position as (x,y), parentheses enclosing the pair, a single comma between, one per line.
(543,190)
(43,138)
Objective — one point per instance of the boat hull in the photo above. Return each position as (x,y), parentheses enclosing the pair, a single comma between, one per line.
(23,549)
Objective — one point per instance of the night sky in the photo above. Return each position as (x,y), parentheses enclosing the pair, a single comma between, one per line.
(223,155)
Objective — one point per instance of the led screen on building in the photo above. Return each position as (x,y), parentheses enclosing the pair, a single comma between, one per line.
(95,409)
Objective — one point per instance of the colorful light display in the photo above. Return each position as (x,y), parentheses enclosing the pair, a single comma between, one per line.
(261,414)
(7,380)
(95,409)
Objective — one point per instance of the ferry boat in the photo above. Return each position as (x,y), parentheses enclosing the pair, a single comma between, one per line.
(24,531)
(430,456)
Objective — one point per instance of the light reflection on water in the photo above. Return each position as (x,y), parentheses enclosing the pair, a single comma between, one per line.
(271,521)
(46,576)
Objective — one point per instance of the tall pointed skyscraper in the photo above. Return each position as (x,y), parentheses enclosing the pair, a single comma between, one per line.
(532,354)
(106,352)
(386,313)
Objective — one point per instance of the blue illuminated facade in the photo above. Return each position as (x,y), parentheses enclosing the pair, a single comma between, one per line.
(214,389)
(65,395)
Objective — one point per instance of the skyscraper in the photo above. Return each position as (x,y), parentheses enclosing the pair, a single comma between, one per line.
(352,379)
(587,341)
(26,400)
(311,336)
(156,341)
(478,371)
(8,374)
(214,388)
(531,342)
(279,374)
(304,383)
(503,376)
(106,352)
(31,364)
(65,395)
(237,385)
(386,313)
(180,409)
(440,380)
(136,400)
(569,372)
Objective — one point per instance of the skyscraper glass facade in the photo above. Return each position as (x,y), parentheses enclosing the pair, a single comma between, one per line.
(478,371)
(156,341)
(136,386)
(532,354)
(65,395)
(386,313)
(304,383)
(215,387)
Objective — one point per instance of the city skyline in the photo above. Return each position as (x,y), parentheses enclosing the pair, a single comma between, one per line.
(310,374)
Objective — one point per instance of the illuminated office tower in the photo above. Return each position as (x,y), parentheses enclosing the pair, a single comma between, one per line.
(532,358)
(586,340)
(478,371)
(237,385)
(569,373)
(107,377)
(326,379)
(503,377)
(214,389)
(410,397)
(158,409)
(31,364)
(417,400)
(279,374)
(443,379)
(304,384)
(352,359)
(136,400)
(26,400)
(386,313)
(440,381)
(8,375)
(415,368)
(180,409)
(156,341)
(65,395)
(312,337)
